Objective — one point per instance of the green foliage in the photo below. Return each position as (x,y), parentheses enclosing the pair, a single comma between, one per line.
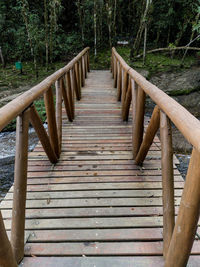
(156,62)
(101,61)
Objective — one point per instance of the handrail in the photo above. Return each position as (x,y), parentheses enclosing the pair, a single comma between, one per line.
(68,82)
(180,116)
(15,107)
(178,237)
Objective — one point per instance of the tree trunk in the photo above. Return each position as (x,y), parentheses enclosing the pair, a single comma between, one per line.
(2,58)
(46,33)
(95,28)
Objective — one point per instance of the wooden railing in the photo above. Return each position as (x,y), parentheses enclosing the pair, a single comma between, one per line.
(178,237)
(68,82)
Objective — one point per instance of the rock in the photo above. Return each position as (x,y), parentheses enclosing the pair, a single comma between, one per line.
(178,83)
(143,72)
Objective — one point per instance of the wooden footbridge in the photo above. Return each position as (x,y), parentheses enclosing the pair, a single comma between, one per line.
(100,189)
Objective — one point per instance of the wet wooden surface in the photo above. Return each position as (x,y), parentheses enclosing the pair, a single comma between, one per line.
(95,201)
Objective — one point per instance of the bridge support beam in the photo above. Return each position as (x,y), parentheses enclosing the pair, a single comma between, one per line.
(188,216)
(20,184)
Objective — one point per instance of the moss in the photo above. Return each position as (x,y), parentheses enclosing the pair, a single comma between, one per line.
(183,91)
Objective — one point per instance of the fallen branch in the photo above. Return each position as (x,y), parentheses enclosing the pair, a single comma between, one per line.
(170,49)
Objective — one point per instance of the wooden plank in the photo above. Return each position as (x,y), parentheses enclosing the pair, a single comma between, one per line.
(86,212)
(99,248)
(94,194)
(91,202)
(139,261)
(96,173)
(100,186)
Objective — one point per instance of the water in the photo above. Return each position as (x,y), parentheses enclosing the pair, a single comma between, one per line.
(7,157)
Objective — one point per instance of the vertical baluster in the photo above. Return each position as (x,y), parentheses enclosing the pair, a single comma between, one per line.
(70,93)
(83,68)
(59,112)
(88,61)
(139,121)
(66,101)
(119,82)
(124,89)
(111,64)
(86,67)
(20,183)
(81,73)
(78,81)
(75,84)
(149,136)
(42,135)
(167,180)
(125,111)
(188,216)
(115,72)
(7,258)
(51,119)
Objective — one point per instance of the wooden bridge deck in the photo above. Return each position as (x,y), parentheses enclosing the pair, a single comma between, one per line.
(95,201)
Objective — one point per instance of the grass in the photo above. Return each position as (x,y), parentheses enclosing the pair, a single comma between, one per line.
(11,78)
(155,62)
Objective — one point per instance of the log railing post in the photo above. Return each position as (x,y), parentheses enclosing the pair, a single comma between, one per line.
(127,102)
(20,184)
(59,112)
(124,88)
(66,101)
(7,258)
(81,73)
(115,72)
(149,136)
(78,78)
(119,82)
(83,70)
(188,216)
(86,68)
(70,93)
(167,181)
(51,119)
(139,121)
(75,83)
(111,63)
(88,61)
(42,135)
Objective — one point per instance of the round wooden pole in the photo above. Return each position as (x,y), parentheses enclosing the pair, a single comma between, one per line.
(20,183)
(66,101)
(70,93)
(127,103)
(167,181)
(51,119)
(42,134)
(75,83)
(7,258)
(139,121)
(188,216)
(88,61)
(119,83)
(149,136)
(59,112)
(115,72)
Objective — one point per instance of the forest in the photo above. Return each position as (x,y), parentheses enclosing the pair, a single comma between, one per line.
(51,30)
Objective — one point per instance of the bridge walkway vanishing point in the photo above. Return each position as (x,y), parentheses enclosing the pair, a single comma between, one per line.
(96,207)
